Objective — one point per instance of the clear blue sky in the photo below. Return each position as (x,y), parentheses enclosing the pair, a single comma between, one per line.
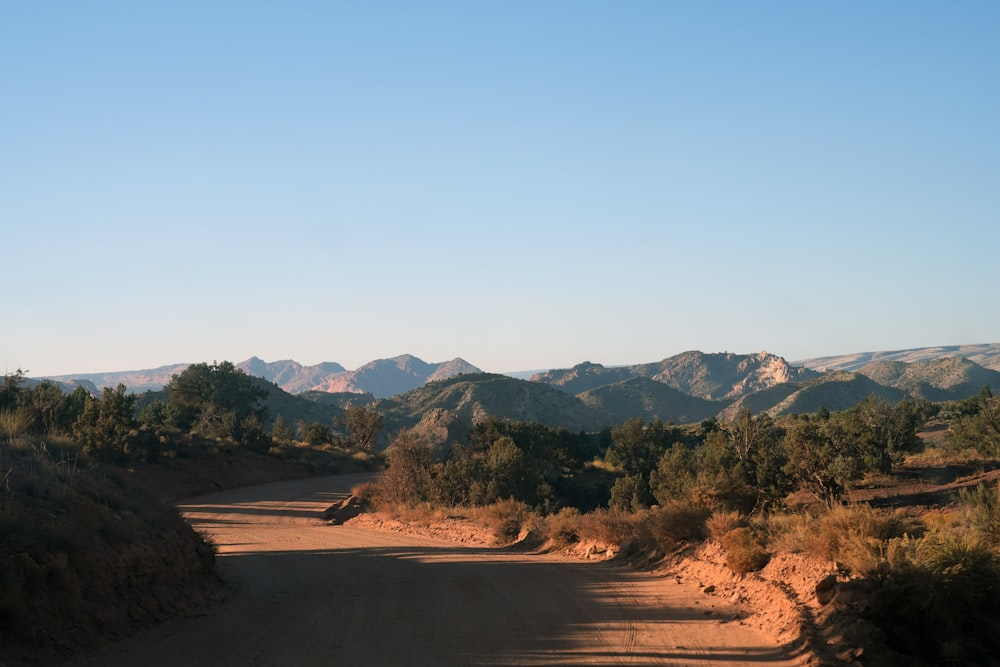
(522,184)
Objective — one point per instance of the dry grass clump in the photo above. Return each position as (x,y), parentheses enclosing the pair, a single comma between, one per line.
(610,526)
(983,506)
(563,527)
(744,551)
(420,514)
(722,522)
(854,536)
(505,519)
(677,522)
(366,493)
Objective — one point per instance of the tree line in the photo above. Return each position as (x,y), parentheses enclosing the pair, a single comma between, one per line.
(215,401)
(750,463)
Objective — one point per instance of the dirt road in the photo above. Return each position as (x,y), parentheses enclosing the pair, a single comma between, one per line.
(306,593)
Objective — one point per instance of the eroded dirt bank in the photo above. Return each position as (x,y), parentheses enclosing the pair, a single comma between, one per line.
(307,593)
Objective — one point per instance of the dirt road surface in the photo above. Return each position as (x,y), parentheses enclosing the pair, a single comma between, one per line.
(307,593)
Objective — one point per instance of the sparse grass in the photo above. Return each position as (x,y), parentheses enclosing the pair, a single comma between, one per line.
(13,425)
(421,514)
(325,459)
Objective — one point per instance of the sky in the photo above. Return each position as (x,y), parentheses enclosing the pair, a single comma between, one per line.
(525,185)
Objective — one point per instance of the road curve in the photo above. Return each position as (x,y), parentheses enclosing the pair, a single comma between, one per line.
(307,593)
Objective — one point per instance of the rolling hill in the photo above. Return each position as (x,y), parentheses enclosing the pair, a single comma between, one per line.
(584,377)
(834,391)
(649,399)
(466,399)
(942,379)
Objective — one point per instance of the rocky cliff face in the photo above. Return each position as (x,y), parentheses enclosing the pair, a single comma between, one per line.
(721,376)
(727,376)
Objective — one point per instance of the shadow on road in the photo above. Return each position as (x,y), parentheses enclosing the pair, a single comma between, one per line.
(480,606)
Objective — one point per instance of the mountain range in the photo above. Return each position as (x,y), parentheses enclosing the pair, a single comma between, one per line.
(680,389)
(446,398)
(381,378)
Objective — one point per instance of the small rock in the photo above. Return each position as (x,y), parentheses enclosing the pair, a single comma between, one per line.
(708,590)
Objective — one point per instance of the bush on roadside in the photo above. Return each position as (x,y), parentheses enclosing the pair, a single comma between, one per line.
(366,494)
(563,527)
(936,598)
(677,522)
(505,518)
(854,536)
(744,551)
(722,521)
(610,526)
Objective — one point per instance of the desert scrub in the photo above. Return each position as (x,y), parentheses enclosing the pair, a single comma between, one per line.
(677,522)
(745,551)
(983,506)
(723,521)
(611,526)
(366,494)
(563,527)
(937,598)
(855,537)
(505,518)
